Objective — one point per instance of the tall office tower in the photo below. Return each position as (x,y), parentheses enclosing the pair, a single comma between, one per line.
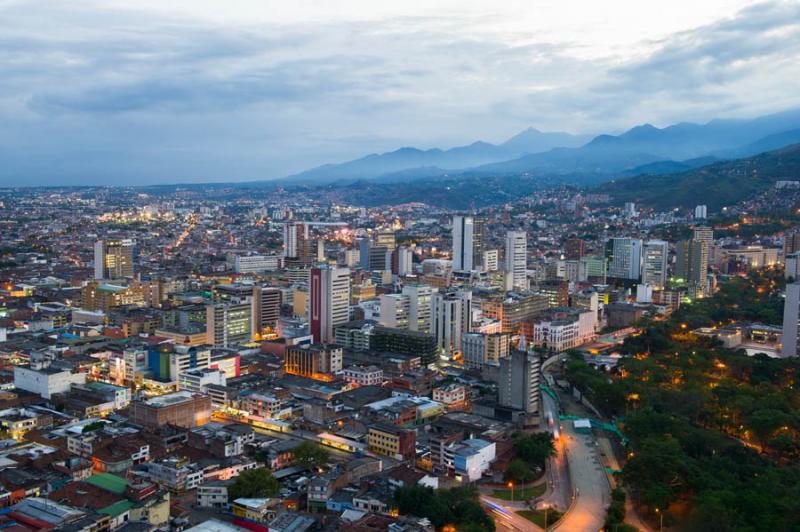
(630,209)
(691,265)
(266,313)
(467,243)
(491,259)
(113,259)
(294,233)
(516,259)
(705,234)
(791,242)
(364,245)
(574,249)
(791,321)
(403,261)
(451,317)
(624,258)
(330,301)
(380,259)
(654,263)
(228,324)
(518,381)
(419,306)
(700,212)
(394,311)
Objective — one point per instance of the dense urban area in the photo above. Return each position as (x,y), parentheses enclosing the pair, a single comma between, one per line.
(284,359)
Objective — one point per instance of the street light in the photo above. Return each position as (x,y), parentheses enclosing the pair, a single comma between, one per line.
(511,485)
(661,520)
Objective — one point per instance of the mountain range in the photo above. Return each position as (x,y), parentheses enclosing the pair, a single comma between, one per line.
(643,149)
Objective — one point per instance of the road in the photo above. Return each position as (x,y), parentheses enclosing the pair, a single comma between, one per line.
(557,468)
(504,516)
(593,492)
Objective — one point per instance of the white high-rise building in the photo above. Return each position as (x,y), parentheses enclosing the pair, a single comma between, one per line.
(450,319)
(516,259)
(791,321)
(329,303)
(654,264)
(467,243)
(419,306)
(700,212)
(394,311)
(405,261)
(294,233)
(491,260)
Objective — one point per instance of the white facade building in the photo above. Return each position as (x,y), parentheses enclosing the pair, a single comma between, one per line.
(516,259)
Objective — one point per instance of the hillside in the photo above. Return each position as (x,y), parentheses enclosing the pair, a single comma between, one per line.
(716,185)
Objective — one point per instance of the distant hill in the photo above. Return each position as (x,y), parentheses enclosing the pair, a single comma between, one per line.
(416,161)
(552,154)
(716,185)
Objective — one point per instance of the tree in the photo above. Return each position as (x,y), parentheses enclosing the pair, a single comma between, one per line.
(536,448)
(255,483)
(519,471)
(309,455)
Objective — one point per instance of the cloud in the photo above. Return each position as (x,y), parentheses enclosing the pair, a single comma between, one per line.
(135,93)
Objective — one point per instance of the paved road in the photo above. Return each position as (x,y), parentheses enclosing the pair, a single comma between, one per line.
(560,495)
(593,492)
(504,516)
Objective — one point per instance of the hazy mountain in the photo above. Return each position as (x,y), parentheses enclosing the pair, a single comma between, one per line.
(458,158)
(671,149)
(534,141)
(716,185)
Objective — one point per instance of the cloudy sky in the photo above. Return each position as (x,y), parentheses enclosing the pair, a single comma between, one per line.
(166,91)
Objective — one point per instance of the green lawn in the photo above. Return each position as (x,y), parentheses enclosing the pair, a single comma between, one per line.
(537,516)
(520,494)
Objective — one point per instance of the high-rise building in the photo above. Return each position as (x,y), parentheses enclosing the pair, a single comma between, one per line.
(691,265)
(293,235)
(394,310)
(379,258)
(266,309)
(624,258)
(415,343)
(706,235)
(329,301)
(229,324)
(654,263)
(451,317)
(403,261)
(791,321)
(386,239)
(592,269)
(518,381)
(516,259)
(113,259)
(700,212)
(467,243)
(491,260)
(419,306)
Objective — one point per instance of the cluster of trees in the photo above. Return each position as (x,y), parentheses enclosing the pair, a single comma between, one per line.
(532,451)
(615,515)
(255,483)
(309,455)
(709,427)
(458,507)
